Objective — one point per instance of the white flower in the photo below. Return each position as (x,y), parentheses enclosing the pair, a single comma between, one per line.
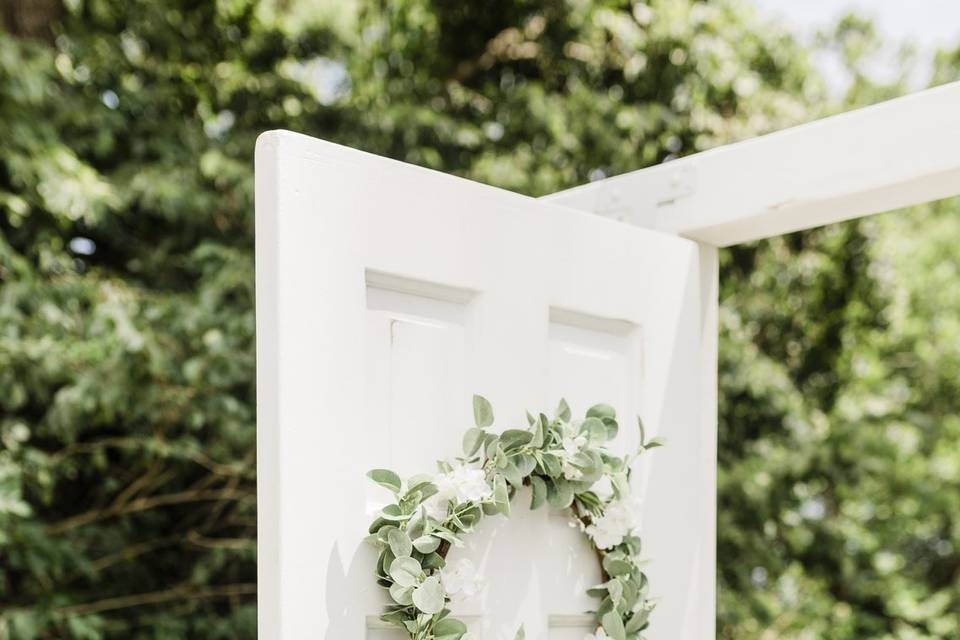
(606,533)
(599,635)
(436,506)
(619,519)
(572,445)
(460,484)
(570,472)
(460,580)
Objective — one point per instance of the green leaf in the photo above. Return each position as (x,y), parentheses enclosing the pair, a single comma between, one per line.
(539,488)
(426,544)
(539,432)
(552,465)
(615,588)
(638,620)
(512,474)
(449,629)
(374,541)
(392,512)
(520,634)
(428,597)
(514,439)
(421,492)
(399,543)
(385,478)
(601,411)
(655,442)
(405,571)
(472,440)
(615,567)
(378,524)
(433,561)
(559,494)
(482,412)
(525,463)
(563,410)
(393,617)
(643,432)
(612,428)
(595,429)
(401,595)
(501,496)
(613,625)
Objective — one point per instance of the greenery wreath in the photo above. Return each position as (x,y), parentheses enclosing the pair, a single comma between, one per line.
(563,461)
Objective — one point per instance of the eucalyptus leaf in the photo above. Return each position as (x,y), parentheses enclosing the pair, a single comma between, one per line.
(401,595)
(613,625)
(482,412)
(539,492)
(405,571)
(559,494)
(500,495)
(514,439)
(428,596)
(392,512)
(426,544)
(656,442)
(525,463)
(449,629)
(512,474)
(615,588)
(612,428)
(385,478)
(433,561)
(552,465)
(539,432)
(615,567)
(638,620)
(563,411)
(601,411)
(595,429)
(399,543)
(472,440)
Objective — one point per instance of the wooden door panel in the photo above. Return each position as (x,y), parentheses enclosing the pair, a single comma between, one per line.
(387,295)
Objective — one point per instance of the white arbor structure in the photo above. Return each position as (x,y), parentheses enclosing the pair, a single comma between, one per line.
(387,294)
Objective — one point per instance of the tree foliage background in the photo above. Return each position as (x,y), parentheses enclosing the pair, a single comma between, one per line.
(126,290)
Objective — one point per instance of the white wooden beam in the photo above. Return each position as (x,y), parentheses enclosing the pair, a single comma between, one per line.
(890,155)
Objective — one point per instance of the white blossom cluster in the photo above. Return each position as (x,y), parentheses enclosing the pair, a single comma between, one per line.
(461,580)
(459,485)
(619,519)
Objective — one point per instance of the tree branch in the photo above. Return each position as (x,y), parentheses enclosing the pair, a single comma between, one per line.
(145,504)
(158,597)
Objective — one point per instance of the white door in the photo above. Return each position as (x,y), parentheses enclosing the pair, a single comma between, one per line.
(386,296)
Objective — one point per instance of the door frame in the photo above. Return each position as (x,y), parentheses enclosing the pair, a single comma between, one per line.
(894,154)
(887,156)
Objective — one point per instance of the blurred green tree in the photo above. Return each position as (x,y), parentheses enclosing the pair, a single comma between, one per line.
(127,501)
(839,489)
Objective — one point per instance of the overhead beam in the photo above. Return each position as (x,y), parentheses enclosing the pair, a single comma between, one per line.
(887,156)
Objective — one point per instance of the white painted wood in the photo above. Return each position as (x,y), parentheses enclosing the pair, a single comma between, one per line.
(388,294)
(879,158)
